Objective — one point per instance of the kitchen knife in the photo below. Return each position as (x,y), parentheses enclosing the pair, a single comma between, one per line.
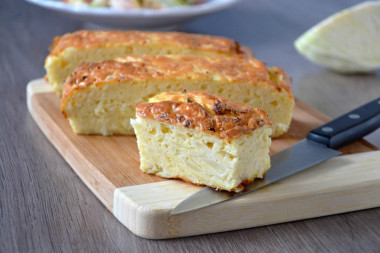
(319,146)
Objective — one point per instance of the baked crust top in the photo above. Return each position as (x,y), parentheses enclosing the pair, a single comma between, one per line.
(88,38)
(204,112)
(148,67)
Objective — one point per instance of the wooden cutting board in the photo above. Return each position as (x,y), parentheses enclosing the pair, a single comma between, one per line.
(109,166)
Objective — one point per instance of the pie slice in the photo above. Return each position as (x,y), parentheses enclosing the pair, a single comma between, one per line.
(203,139)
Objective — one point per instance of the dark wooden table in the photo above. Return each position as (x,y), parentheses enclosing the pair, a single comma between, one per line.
(45,207)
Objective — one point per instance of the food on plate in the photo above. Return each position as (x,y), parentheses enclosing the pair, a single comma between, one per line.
(100,98)
(92,3)
(348,41)
(134,4)
(151,4)
(125,4)
(203,139)
(72,49)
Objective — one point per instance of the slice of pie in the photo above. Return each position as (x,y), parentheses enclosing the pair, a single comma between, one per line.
(100,98)
(72,49)
(203,139)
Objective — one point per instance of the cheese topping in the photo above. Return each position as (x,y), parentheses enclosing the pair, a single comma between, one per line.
(208,113)
(87,38)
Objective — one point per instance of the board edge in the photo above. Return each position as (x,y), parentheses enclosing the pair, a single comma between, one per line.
(153,220)
(38,86)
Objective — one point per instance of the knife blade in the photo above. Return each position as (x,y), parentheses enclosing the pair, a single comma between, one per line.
(317,147)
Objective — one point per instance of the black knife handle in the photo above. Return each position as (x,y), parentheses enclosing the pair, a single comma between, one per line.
(348,127)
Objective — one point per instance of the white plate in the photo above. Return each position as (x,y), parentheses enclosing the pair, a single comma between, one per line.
(140,19)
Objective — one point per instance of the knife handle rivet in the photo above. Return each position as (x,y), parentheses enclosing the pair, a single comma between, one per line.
(354,116)
(327,129)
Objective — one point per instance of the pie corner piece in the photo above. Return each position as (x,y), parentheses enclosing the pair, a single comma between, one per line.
(203,139)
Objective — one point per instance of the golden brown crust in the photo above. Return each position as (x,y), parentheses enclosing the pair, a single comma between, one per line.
(87,38)
(279,77)
(148,67)
(208,113)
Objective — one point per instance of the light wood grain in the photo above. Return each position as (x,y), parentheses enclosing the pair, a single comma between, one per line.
(106,164)
(103,163)
(341,184)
